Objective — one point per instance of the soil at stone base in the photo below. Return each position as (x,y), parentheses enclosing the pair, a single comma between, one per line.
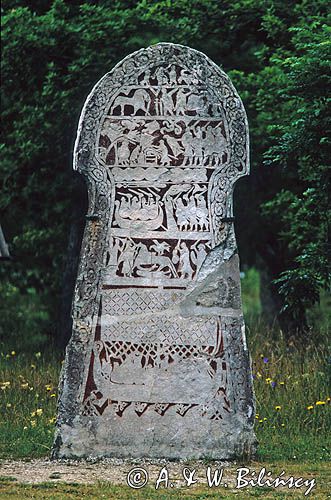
(113,470)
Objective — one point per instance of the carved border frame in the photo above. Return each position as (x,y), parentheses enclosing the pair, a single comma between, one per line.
(89,278)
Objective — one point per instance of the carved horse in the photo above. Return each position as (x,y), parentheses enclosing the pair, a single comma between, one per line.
(139,102)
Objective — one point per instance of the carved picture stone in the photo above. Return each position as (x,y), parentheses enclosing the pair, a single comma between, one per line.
(157,365)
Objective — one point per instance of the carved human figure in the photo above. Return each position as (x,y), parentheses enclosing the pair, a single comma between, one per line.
(197,146)
(172,75)
(198,255)
(175,147)
(160,76)
(188,147)
(191,211)
(127,257)
(181,97)
(166,104)
(163,153)
(123,151)
(215,145)
(201,211)
(147,139)
(181,214)
(112,256)
(184,266)
(147,76)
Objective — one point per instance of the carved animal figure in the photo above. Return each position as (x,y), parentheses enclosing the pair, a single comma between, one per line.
(139,102)
(149,262)
(198,103)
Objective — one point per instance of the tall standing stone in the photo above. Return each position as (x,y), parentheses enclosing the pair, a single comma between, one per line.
(157,365)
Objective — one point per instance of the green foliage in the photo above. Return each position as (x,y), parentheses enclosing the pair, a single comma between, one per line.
(250,289)
(301,145)
(319,314)
(277,54)
(24,319)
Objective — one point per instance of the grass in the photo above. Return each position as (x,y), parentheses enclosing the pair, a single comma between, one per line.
(28,388)
(292,382)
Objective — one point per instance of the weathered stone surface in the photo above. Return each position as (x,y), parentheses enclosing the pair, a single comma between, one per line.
(157,365)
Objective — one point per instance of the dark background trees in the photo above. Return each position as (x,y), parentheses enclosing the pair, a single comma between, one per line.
(277,54)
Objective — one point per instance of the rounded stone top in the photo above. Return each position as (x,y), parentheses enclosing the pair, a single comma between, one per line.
(195,87)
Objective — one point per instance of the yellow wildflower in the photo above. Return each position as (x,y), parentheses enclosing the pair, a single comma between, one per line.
(25,428)
(265,419)
(33,366)
(48,387)
(283,425)
(13,353)
(278,407)
(33,423)
(37,413)
(259,375)
(25,386)
(318,403)
(268,380)
(310,407)
(52,420)
(260,421)
(53,395)
(281,383)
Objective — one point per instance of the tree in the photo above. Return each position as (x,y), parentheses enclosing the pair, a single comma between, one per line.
(301,147)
